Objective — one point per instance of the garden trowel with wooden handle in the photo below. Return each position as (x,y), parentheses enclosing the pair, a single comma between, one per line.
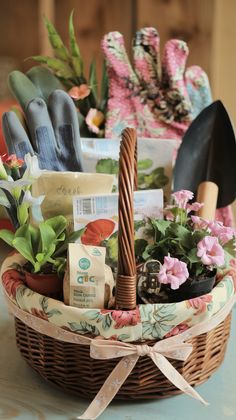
(208,153)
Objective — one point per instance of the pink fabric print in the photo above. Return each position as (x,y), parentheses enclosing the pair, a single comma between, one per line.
(39,313)
(11,280)
(126,318)
(231,271)
(199,303)
(177,330)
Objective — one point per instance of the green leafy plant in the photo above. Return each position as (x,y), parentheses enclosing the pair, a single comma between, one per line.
(15,193)
(44,247)
(199,245)
(67,65)
(154,179)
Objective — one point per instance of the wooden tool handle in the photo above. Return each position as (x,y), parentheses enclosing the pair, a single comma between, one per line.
(207,193)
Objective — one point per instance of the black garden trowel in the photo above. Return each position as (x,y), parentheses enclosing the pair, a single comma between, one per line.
(208,153)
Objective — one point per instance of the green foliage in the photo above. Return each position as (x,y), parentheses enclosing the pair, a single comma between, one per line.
(67,65)
(144,164)
(112,249)
(93,79)
(155,179)
(178,238)
(59,48)
(107,166)
(43,245)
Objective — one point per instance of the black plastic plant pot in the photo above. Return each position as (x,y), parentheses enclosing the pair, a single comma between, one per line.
(193,288)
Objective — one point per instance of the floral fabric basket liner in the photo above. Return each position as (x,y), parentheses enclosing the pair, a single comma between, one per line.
(160,320)
(146,322)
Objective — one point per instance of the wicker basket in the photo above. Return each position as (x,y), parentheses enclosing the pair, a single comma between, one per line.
(70,365)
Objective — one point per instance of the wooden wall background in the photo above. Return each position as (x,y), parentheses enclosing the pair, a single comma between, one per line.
(208,26)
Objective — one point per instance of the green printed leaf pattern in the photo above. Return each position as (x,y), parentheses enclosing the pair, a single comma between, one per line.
(83,327)
(105,319)
(123,337)
(163,315)
(43,301)
(229,287)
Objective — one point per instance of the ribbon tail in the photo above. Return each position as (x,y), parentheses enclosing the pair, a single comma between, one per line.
(110,387)
(174,376)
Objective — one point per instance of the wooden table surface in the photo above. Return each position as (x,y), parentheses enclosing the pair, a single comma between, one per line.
(24,395)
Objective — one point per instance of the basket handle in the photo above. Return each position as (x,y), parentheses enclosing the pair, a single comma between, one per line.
(126,276)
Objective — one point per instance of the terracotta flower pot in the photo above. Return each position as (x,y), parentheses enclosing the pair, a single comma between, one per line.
(49,285)
(193,288)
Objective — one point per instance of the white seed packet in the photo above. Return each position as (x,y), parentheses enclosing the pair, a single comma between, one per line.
(60,187)
(155,160)
(89,282)
(97,218)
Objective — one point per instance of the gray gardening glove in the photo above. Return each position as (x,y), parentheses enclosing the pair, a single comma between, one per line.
(53,129)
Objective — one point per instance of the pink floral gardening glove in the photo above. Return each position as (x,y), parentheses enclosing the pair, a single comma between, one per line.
(158,99)
(155,98)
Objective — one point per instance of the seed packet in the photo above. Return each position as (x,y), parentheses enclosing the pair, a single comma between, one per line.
(96,217)
(89,282)
(60,187)
(154,160)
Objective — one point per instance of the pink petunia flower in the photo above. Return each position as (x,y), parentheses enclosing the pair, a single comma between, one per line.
(168,213)
(194,206)
(94,119)
(210,251)
(173,272)
(199,223)
(79,92)
(224,233)
(182,197)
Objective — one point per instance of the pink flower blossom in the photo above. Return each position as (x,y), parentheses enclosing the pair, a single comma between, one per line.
(182,197)
(94,119)
(199,223)
(177,330)
(173,271)
(224,233)
(79,92)
(168,213)
(194,206)
(210,251)
(126,318)
(200,303)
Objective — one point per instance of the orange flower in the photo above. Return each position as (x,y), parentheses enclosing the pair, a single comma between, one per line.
(79,92)
(97,231)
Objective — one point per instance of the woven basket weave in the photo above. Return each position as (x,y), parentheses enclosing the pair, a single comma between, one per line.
(70,366)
